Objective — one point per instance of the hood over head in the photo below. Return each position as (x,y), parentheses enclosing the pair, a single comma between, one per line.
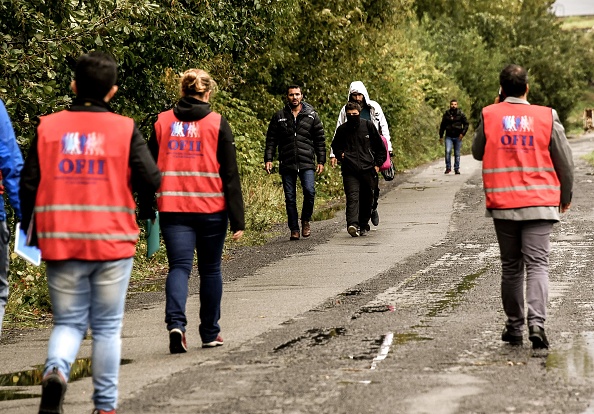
(358,87)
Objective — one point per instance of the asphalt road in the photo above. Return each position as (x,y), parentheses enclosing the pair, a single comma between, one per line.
(405,320)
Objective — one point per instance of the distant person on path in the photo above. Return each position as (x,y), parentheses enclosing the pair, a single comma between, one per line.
(455,125)
(371,111)
(11,164)
(199,196)
(528,180)
(85,225)
(298,133)
(361,151)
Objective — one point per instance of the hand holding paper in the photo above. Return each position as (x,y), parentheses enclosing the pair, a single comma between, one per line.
(30,253)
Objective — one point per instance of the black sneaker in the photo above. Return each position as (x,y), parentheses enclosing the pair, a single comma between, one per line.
(447,171)
(374,217)
(177,341)
(538,338)
(456,171)
(53,388)
(510,338)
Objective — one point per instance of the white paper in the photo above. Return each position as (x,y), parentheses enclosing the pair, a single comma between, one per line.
(31,254)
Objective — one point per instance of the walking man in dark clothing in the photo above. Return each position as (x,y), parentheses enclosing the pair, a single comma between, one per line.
(298,133)
(455,126)
(361,151)
(372,111)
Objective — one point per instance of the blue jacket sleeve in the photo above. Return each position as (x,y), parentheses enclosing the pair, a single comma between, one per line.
(11,163)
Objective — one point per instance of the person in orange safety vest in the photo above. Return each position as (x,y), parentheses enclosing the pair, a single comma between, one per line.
(528,181)
(77,183)
(199,198)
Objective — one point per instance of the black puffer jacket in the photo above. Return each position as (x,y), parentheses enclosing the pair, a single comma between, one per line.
(453,123)
(300,141)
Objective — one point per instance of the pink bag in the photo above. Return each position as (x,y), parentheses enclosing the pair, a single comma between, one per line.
(387,163)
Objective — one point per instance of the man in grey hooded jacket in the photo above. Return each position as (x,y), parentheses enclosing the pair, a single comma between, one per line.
(372,111)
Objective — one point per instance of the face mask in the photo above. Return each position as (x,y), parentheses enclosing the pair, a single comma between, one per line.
(353,119)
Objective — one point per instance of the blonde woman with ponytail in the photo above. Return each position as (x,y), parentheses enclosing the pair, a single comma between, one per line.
(199,197)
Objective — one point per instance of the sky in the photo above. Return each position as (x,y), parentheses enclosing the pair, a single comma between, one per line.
(573,7)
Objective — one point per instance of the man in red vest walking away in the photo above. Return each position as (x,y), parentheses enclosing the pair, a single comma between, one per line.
(528,180)
(78,179)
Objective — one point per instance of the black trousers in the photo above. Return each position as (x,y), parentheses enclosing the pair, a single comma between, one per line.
(376,190)
(359,189)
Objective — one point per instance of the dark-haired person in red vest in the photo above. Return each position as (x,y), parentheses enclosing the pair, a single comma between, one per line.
(199,197)
(78,179)
(528,180)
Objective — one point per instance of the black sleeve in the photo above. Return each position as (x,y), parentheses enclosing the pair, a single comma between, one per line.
(226,155)
(377,145)
(30,178)
(442,126)
(146,177)
(338,143)
(153,145)
(480,141)
(464,121)
(319,139)
(271,139)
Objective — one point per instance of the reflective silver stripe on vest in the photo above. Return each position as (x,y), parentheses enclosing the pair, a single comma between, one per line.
(190,174)
(188,194)
(86,236)
(526,188)
(81,207)
(511,169)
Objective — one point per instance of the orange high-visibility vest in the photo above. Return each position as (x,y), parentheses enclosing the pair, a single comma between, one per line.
(188,162)
(84,208)
(517,167)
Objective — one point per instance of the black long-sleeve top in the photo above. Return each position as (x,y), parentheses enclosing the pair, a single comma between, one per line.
(189,109)
(358,146)
(146,177)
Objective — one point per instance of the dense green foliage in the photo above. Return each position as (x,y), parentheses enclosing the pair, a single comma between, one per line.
(413,56)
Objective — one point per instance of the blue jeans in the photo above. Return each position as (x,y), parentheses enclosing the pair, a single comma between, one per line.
(308,181)
(456,143)
(183,233)
(4,238)
(83,294)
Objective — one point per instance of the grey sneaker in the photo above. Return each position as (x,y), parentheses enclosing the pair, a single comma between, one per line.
(374,217)
(353,230)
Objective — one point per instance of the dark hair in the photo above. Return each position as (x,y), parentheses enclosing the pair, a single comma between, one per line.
(293,87)
(95,74)
(513,80)
(454,100)
(351,106)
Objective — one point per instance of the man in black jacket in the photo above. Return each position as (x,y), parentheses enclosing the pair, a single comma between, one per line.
(361,151)
(455,125)
(298,133)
